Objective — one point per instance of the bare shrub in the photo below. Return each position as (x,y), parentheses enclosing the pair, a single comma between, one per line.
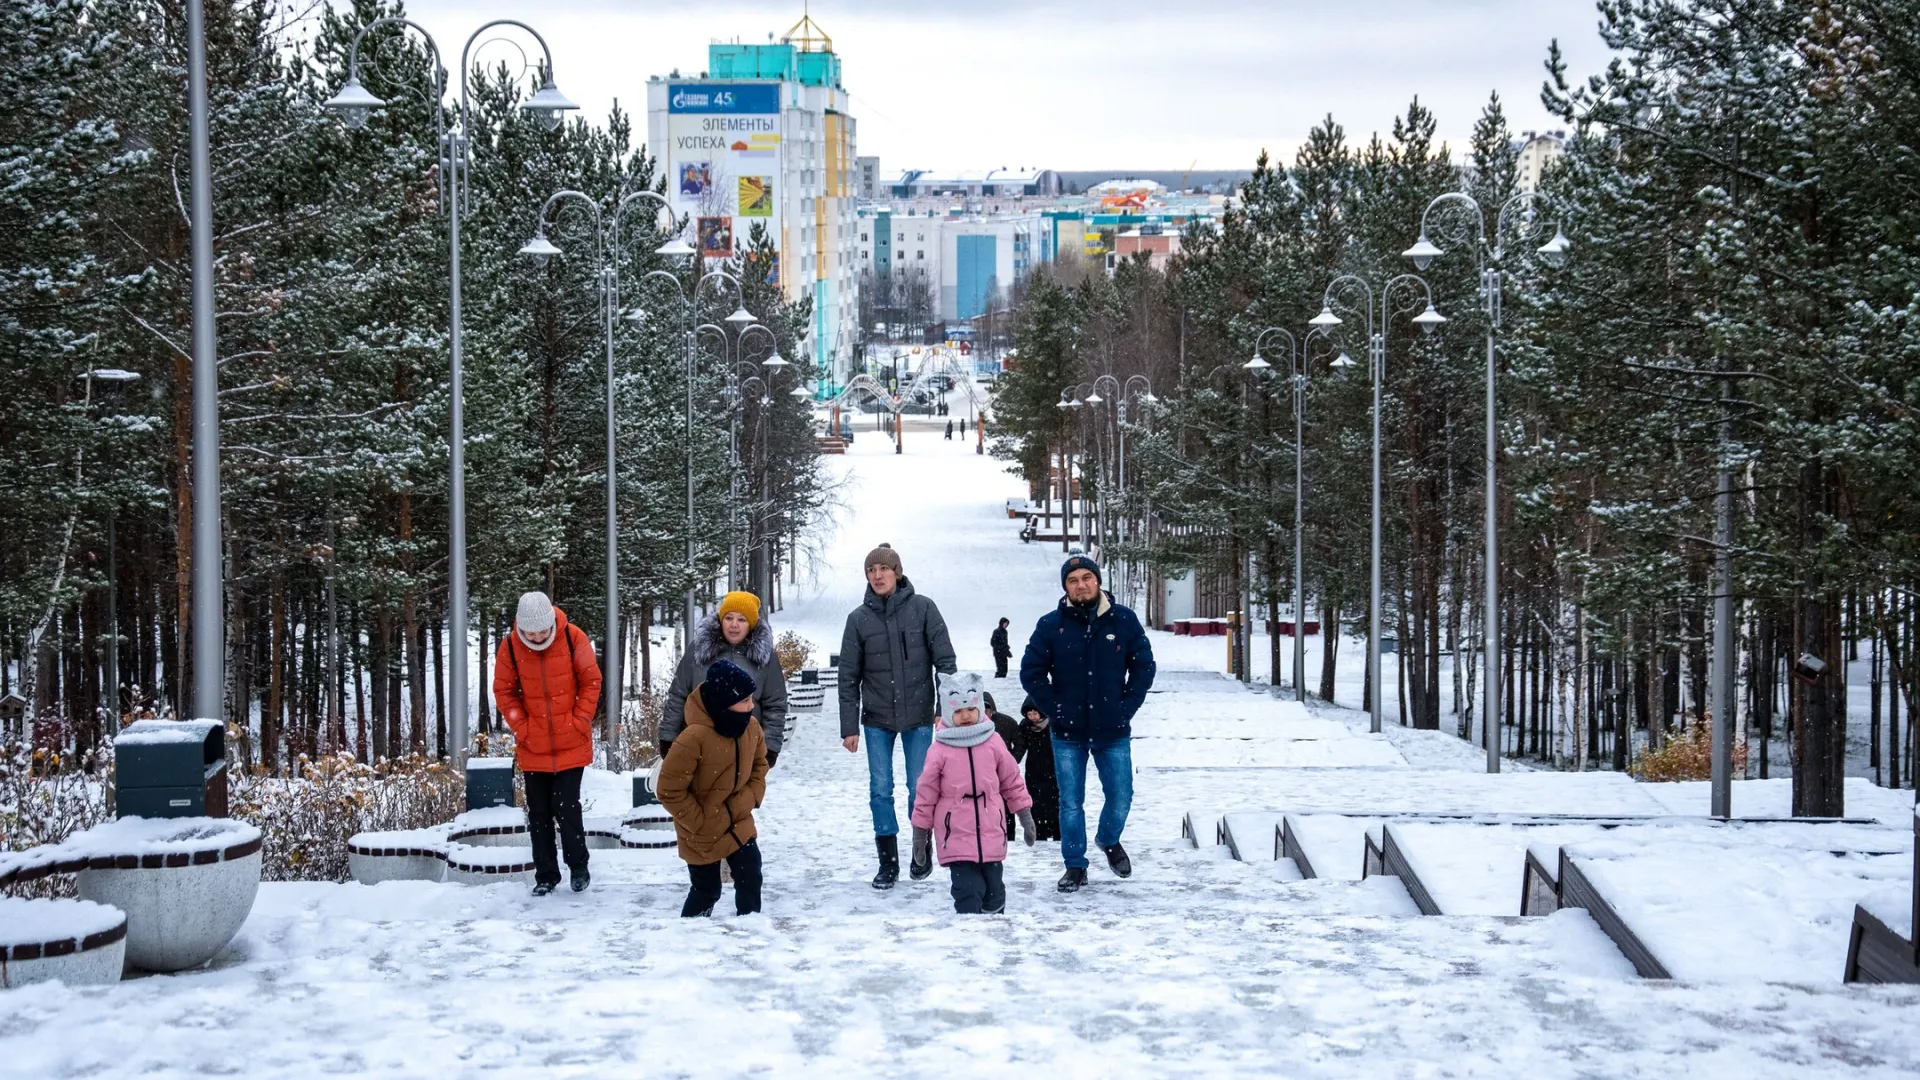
(44,799)
(1689,757)
(307,815)
(793,652)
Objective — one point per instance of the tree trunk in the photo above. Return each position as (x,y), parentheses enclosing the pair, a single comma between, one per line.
(1819,751)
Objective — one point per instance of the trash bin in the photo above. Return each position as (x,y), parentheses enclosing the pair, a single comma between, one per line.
(642,792)
(810,677)
(489,782)
(833,660)
(171,768)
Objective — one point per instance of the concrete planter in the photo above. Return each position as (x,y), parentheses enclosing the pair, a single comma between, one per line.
(489,866)
(186,884)
(70,941)
(179,917)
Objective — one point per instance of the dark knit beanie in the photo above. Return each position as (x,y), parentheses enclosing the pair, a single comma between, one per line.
(884,555)
(1077,561)
(726,686)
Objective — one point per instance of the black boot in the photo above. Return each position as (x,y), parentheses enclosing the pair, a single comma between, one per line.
(1073,879)
(889,849)
(542,888)
(581,880)
(1117,859)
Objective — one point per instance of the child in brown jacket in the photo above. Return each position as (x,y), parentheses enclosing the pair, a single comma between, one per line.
(713,779)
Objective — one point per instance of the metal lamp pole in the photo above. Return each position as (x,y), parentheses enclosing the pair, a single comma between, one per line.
(1428,321)
(209,621)
(1126,517)
(607,248)
(1296,351)
(112,377)
(1488,252)
(354,104)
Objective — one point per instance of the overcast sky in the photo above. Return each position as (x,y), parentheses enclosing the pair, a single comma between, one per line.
(1091,84)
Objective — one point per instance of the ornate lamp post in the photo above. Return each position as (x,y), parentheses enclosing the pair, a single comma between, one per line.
(607,252)
(354,104)
(1428,321)
(1489,250)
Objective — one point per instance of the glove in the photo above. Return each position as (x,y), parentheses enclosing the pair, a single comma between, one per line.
(773,758)
(1027,827)
(923,847)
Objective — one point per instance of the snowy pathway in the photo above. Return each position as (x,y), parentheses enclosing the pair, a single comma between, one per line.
(1198,965)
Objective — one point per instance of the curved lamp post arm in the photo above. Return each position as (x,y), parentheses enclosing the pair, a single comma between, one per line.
(547,99)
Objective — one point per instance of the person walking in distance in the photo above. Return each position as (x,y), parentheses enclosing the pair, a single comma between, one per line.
(1002,652)
(949,431)
(546,683)
(1087,669)
(894,644)
(713,779)
(738,633)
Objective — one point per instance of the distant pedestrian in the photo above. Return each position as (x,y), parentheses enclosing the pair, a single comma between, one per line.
(1087,669)
(739,633)
(963,427)
(949,431)
(712,781)
(1002,652)
(546,684)
(894,644)
(969,784)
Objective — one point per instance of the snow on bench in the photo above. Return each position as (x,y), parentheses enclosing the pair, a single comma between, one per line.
(78,942)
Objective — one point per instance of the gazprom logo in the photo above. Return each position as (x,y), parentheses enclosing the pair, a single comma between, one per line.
(746,98)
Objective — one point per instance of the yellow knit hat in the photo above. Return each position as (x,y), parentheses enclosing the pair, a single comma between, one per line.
(744,604)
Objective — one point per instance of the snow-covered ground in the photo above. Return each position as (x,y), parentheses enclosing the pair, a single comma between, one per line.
(1197,965)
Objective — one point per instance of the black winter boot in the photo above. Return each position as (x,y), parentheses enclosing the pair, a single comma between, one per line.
(1117,859)
(581,879)
(889,849)
(1073,880)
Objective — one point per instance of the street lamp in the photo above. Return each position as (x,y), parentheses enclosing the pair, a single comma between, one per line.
(1144,394)
(1428,321)
(744,324)
(678,247)
(1297,357)
(354,104)
(607,250)
(1489,250)
(1103,525)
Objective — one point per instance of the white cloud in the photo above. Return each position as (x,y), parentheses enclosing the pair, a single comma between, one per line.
(1120,84)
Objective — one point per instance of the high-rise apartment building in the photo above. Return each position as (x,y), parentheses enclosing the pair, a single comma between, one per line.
(763,138)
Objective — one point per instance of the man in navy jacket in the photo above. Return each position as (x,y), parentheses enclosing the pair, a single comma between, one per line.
(1088,666)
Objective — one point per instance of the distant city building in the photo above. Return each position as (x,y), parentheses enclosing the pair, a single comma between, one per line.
(1159,243)
(1005,182)
(1537,151)
(948,268)
(764,139)
(868,186)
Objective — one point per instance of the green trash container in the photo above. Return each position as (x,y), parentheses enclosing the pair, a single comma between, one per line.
(489,782)
(170,769)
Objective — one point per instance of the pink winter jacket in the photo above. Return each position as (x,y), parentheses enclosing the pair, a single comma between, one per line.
(964,796)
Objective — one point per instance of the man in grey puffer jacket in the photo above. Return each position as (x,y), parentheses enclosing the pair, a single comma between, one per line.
(735,632)
(894,643)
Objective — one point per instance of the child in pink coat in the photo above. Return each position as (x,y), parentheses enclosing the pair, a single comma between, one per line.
(968,785)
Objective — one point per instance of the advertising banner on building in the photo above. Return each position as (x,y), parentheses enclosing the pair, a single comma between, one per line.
(756,196)
(724,158)
(715,236)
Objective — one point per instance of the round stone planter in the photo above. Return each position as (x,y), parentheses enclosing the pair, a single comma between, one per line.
(186,884)
(376,857)
(489,865)
(76,942)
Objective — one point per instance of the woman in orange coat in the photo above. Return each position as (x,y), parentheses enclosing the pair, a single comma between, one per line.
(547,685)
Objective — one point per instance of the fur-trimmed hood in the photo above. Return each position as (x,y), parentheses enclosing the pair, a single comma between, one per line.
(709,642)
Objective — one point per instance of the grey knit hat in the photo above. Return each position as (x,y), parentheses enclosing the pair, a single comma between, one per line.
(534,616)
(884,555)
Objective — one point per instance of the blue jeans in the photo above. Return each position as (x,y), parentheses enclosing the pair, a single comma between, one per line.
(1113,758)
(914,743)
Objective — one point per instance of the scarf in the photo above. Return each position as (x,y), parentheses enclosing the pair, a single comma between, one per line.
(967,736)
